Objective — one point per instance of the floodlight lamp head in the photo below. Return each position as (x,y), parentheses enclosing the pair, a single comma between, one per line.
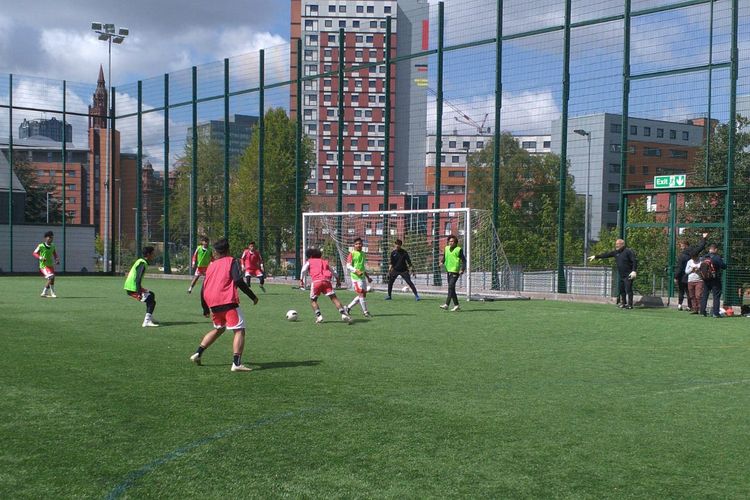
(96,26)
(103,36)
(109,28)
(123,32)
(118,39)
(581,132)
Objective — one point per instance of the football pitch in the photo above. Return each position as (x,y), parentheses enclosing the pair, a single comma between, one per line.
(517,399)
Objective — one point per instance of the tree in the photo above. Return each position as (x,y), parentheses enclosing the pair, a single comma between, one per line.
(39,195)
(279,185)
(210,201)
(529,203)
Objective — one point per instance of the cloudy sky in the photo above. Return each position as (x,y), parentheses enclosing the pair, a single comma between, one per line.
(50,38)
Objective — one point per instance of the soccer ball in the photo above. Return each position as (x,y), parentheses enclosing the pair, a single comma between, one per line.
(405,289)
(291,315)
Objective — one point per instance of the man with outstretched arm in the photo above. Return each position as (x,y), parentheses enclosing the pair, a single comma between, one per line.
(627,265)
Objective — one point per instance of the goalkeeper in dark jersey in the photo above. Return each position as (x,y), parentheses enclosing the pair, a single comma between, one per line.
(400,266)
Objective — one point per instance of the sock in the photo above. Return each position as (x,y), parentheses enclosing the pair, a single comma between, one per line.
(363,304)
(342,310)
(317,313)
(353,302)
(190,288)
(237,359)
(200,350)
(148,317)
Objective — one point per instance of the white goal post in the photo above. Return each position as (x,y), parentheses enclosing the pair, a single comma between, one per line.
(424,234)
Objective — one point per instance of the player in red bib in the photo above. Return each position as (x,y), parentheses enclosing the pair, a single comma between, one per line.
(252,265)
(320,274)
(219,295)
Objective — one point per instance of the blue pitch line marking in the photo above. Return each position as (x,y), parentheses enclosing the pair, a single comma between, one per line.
(179,452)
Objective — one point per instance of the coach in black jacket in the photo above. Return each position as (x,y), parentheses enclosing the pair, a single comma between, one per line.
(680,278)
(627,265)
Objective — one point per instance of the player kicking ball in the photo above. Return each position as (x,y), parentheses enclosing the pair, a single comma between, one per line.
(219,293)
(320,274)
(202,257)
(356,264)
(134,285)
(47,253)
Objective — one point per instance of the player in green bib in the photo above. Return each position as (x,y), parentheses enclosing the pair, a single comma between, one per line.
(47,255)
(202,257)
(134,285)
(356,263)
(455,265)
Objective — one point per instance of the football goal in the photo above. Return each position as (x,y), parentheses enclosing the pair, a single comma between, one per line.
(424,234)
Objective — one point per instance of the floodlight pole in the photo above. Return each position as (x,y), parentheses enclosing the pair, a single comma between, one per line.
(107,32)
(586,228)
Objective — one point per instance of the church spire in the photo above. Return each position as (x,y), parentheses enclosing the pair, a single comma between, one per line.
(98,111)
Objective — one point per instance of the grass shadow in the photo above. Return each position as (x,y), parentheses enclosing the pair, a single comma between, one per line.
(284,364)
(181,323)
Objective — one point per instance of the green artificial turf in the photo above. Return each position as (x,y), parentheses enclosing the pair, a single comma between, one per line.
(525,399)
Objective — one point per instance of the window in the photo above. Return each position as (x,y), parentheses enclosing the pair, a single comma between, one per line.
(311,39)
(633,130)
(358,127)
(331,112)
(613,188)
(369,38)
(678,153)
(311,10)
(329,186)
(371,128)
(442,158)
(70,187)
(615,128)
(382,24)
(387,9)
(373,24)
(329,156)
(342,24)
(359,38)
(326,142)
(355,97)
(615,148)
(71,199)
(357,157)
(368,113)
(651,152)
(647,131)
(528,144)
(371,143)
(368,157)
(455,173)
(326,127)
(644,169)
(360,9)
(355,143)
(480,144)
(331,8)
(328,23)
(332,38)
(326,171)
(71,173)
(455,159)
(547,144)
(612,207)
(371,84)
(355,24)
(342,8)
(685,135)
(660,132)
(327,68)
(673,134)
(614,168)
(370,9)
(452,144)
(327,82)
(309,25)
(326,97)
(370,172)
(358,53)
(372,98)
(467,145)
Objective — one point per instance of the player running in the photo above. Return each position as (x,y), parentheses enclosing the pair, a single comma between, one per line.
(46,253)
(219,293)
(202,257)
(134,285)
(356,263)
(252,265)
(320,274)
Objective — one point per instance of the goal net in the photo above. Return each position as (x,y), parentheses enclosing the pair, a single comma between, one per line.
(424,234)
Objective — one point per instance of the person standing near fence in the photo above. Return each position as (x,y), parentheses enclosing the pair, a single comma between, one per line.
(710,270)
(627,265)
(455,265)
(681,279)
(694,282)
(400,266)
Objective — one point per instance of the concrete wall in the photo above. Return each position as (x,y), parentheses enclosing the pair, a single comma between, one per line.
(77,251)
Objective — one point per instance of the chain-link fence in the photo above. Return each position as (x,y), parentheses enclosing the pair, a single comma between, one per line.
(575,122)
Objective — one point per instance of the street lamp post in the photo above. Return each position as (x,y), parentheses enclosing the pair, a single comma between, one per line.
(107,33)
(466,180)
(410,192)
(119,222)
(587,228)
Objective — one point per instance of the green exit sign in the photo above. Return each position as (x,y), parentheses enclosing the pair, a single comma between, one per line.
(670,181)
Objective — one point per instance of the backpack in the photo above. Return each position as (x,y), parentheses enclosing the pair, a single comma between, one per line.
(707,269)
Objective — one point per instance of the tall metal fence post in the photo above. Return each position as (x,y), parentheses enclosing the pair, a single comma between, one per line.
(707,125)
(562,286)
(166,262)
(496,135)
(622,219)
(437,275)
(340,149)
(64,177)
(261,151)
(731,298)
(298,164)
(194,169)
(114,146)
(227,138)
(10,171)
(139,173)
(387,146)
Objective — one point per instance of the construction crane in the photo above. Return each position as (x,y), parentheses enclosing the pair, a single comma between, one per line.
(463,117)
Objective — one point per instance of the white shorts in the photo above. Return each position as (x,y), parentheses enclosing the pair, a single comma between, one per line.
(233,316)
